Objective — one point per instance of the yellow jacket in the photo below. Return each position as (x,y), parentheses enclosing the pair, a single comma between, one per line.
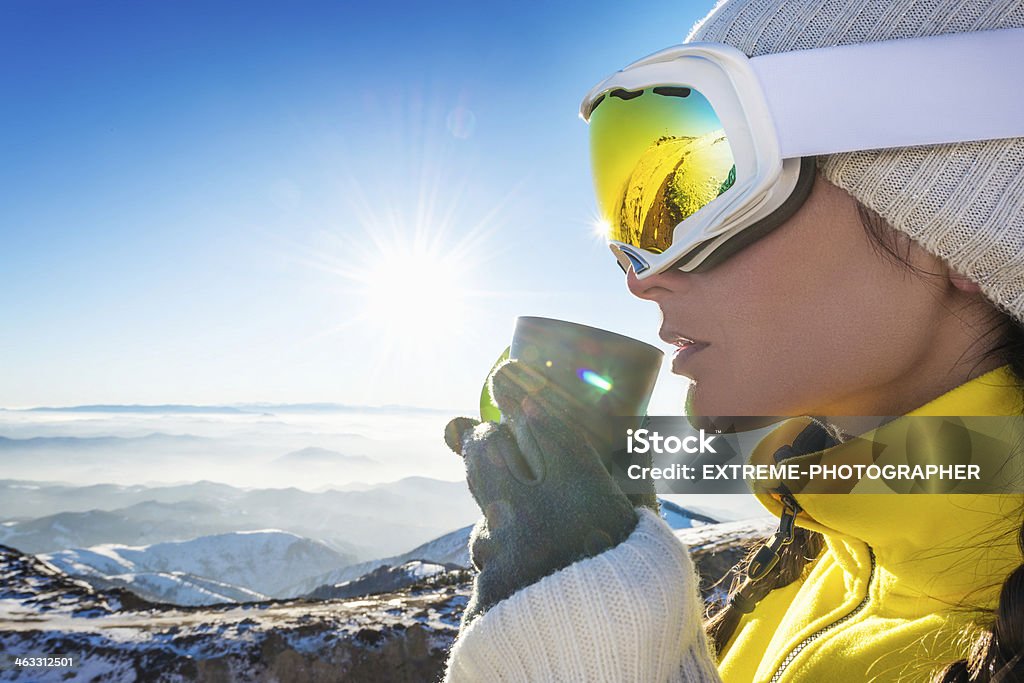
(881,601)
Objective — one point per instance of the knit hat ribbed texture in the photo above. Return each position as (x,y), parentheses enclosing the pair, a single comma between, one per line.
(962,202)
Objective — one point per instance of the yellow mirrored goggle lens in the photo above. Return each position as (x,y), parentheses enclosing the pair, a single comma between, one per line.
(658,156)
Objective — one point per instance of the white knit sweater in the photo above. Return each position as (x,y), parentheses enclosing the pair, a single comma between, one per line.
(632,613)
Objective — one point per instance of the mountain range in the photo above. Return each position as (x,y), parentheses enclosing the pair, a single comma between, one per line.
(402,635)
(202,564)
(234,567)
(451,550)
(362,524)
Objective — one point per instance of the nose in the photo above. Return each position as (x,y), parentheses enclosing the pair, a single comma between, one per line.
(649,288)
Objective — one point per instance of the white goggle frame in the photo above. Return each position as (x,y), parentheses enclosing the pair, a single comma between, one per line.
(776,109)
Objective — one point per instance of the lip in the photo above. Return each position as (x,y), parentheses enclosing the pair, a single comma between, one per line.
(683,355)
(677,339)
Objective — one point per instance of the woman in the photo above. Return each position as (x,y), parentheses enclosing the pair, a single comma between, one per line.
(894,286)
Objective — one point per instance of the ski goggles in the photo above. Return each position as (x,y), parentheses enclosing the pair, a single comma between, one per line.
(697,150)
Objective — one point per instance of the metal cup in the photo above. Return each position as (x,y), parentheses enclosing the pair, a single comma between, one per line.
(606,375)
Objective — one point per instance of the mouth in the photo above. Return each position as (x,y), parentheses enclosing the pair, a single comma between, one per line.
(685,348)
(676,339)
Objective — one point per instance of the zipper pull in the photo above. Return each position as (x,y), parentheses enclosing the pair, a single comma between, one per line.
(767,555)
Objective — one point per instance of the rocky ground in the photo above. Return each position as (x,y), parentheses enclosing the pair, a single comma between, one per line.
(114,636)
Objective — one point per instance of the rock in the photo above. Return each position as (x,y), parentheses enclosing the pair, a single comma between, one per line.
(399,636)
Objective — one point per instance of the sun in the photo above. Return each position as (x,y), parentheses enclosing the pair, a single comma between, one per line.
(601,228)
(409,245)
(408,276)
(413,289)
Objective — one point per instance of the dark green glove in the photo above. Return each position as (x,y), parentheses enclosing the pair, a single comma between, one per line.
(547,499)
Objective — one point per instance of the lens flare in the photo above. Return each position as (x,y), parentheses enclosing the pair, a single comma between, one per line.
(461,122)
(398,259)
(595,380)
(601,228)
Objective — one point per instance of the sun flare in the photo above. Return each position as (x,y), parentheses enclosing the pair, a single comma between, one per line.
(408,278)
(601,228)
(408,247)
(413,291)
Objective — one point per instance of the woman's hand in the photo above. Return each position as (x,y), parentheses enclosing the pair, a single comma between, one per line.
(546,497)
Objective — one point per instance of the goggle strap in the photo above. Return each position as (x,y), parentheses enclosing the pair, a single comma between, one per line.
(896,93)
(751,234)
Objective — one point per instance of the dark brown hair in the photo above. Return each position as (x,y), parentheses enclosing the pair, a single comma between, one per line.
(997,656)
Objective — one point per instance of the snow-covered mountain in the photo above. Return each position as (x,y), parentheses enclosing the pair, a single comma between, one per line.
(386,578)
(397,636)
(402,635)
(452,549)
(141,524)
(115,637)
(31,586)
(176,588)
(235,567)
(378,521)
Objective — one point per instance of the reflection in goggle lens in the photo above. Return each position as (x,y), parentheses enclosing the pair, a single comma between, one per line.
(658,155)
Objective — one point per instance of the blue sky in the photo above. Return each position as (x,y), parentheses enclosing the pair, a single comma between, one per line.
(200,201)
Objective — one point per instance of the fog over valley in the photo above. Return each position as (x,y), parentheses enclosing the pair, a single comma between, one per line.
(314,447)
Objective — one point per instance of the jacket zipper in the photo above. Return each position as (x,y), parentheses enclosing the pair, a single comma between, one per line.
(767,555)
(777,676)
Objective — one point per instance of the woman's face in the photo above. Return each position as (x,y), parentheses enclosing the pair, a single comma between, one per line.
(812,320)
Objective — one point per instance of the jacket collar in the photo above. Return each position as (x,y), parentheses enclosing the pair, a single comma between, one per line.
(940,544)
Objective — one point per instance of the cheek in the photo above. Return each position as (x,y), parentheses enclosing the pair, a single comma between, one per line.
(798,332)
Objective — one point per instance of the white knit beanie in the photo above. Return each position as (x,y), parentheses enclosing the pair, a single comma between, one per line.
(962,202)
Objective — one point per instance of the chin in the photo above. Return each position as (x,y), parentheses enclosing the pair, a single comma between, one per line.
(703,413)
